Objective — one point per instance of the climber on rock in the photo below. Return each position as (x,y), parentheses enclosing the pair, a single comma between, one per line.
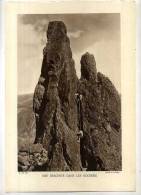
(79,135)
(79,110)
(80,116)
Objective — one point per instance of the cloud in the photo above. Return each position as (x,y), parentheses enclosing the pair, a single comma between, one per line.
(83,29)
(97,33)
(75,34)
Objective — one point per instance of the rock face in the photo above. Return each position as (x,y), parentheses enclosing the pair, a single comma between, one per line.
(101,143)
(77,120)
(54,102)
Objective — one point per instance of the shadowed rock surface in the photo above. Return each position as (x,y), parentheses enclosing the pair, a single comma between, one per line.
(101,143)
(54,102)
(77,121)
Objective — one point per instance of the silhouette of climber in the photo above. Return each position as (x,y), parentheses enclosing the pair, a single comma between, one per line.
(80,116)
(80,111)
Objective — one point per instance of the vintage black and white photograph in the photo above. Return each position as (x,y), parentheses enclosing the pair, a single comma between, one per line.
(69,92)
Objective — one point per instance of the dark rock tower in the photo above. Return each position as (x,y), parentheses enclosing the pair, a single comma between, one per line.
(100,146)
(54,102)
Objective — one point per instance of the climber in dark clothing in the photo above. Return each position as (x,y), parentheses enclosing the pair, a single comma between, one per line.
(81,138)
(79,110)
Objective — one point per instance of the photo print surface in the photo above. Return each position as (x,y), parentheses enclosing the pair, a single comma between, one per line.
(69,92)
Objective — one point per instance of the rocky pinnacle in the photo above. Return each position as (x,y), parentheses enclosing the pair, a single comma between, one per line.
(63,104)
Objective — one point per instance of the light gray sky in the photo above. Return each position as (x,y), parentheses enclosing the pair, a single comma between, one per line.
(98,34)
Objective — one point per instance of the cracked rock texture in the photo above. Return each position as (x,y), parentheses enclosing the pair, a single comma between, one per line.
(54,102)
(57,120)
(101,144)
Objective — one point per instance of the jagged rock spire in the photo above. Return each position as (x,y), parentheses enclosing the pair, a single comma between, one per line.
(56,124)
(88,67)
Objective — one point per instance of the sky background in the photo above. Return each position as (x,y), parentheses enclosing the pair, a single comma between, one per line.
(98,34)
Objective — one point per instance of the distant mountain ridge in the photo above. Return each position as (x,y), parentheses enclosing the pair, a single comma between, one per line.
(25,119)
